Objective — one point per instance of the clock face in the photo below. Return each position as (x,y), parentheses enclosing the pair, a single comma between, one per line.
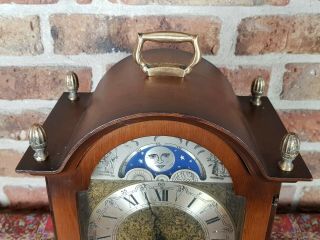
(161,188)
(167,210)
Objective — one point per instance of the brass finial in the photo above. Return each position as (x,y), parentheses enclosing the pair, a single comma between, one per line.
(38,142)
(257,89)
(72,85)
(290,147)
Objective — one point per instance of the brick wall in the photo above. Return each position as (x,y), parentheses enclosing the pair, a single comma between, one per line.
(41,40)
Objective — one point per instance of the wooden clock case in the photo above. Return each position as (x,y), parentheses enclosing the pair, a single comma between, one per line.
(201,107)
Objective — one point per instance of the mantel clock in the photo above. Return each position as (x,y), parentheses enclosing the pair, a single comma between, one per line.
(163,151)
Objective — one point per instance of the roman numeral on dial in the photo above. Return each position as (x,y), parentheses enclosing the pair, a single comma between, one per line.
(132,200)
(162,195)
(104,237)
(213,220)
(192,202)
(109,217)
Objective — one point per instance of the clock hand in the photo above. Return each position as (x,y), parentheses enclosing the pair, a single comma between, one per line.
(158,234)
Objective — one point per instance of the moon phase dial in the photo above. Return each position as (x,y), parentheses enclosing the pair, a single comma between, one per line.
(177,159)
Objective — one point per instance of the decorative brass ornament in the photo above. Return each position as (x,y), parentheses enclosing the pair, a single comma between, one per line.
(166,69)
(38,142)
(257,90)
(72,85)
(290,147)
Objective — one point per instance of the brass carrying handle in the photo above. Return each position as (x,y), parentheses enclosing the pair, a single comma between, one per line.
(166,69)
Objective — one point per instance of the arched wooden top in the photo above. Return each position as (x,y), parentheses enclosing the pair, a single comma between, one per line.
(205,98)
(205,94)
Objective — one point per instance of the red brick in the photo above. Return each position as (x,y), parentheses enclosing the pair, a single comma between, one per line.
(20,36)
(301,81)
(313,162)
(8,162)
(306,123)
(16,125)
(310,199)
(242,77)
(29,1)
(39,82)
(26,197)
(84,1)
(204,2)
(277,2)
(92,34)
(9,159)
(279,34)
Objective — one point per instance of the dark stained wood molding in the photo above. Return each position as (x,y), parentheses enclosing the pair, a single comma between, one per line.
(265,122)
(203,98)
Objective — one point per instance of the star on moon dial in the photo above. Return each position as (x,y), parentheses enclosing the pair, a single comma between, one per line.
(161,158)
(126,212)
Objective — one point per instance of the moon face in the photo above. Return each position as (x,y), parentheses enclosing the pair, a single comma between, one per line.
(159,158)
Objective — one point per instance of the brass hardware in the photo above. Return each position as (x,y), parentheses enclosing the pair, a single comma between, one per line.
(290,146)
(166,69)
(72,85)
(257,89)
(38,142)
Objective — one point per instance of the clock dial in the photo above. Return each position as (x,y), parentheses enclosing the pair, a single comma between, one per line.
(125,212)
(161,158)
(162,187)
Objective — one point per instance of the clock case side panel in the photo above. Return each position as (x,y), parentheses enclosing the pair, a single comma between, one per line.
(63,187)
